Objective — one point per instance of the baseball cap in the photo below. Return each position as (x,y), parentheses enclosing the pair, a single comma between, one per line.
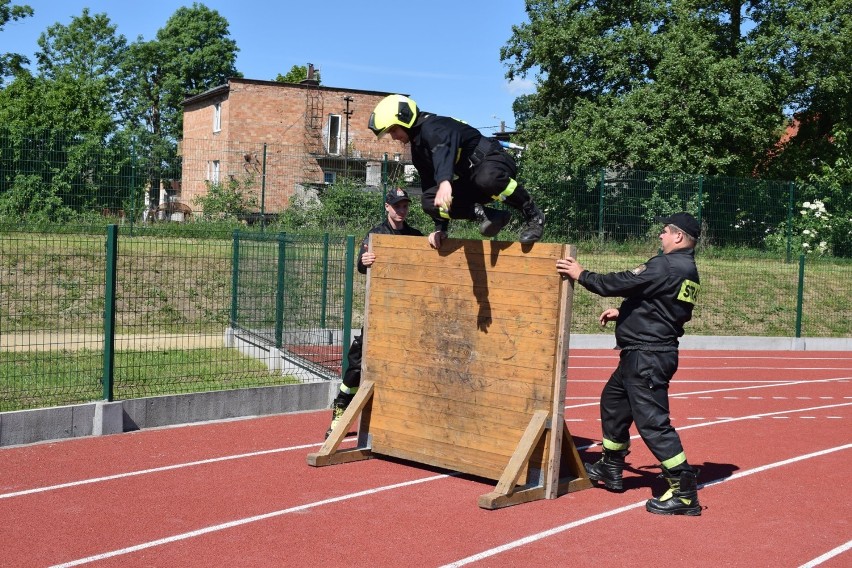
(396,195)
(683,221)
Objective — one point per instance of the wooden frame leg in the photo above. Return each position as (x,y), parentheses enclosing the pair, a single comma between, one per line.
(328,454)
(504,493)
(573,474)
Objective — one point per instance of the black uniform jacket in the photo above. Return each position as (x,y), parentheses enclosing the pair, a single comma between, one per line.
(384,229)
(441,147)
(659,297)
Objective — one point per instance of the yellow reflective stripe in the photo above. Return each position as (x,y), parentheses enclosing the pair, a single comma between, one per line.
(675,461)
(458,156)
(614,446)
(348,390)
(510,189)
(689,291)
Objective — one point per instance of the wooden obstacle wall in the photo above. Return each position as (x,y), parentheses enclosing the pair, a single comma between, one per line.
(465,355)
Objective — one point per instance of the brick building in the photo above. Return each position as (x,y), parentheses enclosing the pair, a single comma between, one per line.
(302,136)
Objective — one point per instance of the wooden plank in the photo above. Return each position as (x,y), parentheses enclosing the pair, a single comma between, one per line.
(473,461)
(404,315)
(551,484)
(522,393)
(464,353)
(458,250)
(483,279)
(435,295)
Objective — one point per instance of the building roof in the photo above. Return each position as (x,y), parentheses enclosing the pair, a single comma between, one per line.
(223,89)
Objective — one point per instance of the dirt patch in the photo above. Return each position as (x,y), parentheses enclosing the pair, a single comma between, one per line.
(70,341)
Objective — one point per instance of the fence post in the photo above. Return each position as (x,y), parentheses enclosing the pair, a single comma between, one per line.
(109,312)
(347,302)
(700,198)
(601,205)
(263,191)
(790,222)
(279,291)
(324,299)
(800,296)
(235,278)
(132,183)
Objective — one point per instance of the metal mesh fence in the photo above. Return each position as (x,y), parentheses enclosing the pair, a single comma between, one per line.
(51,319)
(289,292)
(173,310)
(200,307)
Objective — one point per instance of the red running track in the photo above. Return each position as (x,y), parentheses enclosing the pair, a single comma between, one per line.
(770,431)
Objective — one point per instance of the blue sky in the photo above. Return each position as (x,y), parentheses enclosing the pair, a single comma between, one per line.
(445,54)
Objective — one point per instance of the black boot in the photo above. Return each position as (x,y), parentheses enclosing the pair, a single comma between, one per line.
(681,497)
(491,221)
(608,469)
(533,228)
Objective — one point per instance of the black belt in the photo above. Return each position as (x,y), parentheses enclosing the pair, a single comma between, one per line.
(483,148)
(658,347)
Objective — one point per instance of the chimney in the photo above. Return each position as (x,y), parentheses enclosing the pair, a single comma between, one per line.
(311,78)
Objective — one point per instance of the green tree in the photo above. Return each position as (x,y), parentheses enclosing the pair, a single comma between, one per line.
(62,123)
(297,74)
(80,62)
(198,54)
(642,85)
(11,63)
(811,43)
(191,54)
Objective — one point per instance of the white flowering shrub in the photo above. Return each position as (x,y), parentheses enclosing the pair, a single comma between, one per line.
(811,233)
(814,227)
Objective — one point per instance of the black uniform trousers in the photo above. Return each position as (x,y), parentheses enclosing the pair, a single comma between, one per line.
(352,376)
(638,391)
(485,181)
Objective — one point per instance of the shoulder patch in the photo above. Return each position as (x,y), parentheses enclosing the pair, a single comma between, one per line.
(639,269)
(689,291)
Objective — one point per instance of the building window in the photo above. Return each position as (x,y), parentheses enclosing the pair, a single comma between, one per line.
(329,177)
(333,134)
(217,117)
(213,172)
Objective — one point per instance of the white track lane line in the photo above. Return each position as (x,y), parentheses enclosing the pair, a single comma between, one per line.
(244,521)
(828,555)
(737,419)
(153,470)
(562,528)
(694,393)
(692,356)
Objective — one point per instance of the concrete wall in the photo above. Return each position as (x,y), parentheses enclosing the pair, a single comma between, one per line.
(100,418)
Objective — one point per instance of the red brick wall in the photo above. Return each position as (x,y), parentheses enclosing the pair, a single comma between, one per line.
(258,112)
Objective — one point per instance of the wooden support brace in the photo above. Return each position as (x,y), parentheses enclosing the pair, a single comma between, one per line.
(519,460)
(328,453)
(573,476)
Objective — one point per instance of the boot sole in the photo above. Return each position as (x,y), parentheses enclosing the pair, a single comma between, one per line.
(617,486)
(691,512)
